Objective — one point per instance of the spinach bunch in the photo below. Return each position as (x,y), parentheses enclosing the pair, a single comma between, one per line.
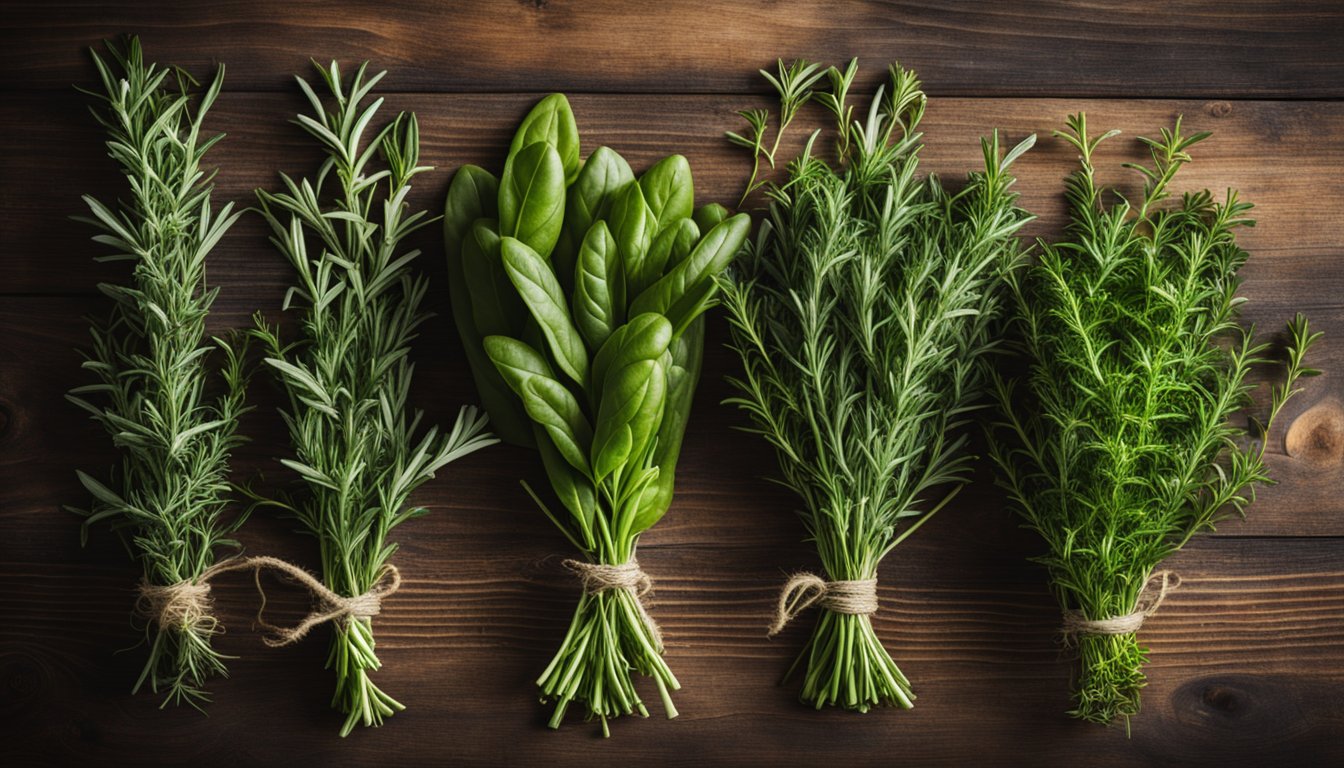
(1117,444)
(578,290)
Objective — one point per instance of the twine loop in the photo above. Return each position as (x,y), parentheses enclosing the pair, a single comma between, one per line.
(187,604)
(628,576)
(331,605)
(1154,591)
(803,590)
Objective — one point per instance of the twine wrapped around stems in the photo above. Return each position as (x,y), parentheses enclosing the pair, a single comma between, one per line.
(1154,592)
(187,605)
(803,590)
(599,577)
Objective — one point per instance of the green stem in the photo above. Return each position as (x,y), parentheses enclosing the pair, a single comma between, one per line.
(848,667)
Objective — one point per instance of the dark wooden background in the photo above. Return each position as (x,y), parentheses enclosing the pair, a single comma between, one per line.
(1247,657)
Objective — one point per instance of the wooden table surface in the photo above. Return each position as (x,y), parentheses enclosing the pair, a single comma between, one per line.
(1247,660)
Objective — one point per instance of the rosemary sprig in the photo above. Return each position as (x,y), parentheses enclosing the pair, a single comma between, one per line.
(153,361)
(793,83)
(863,314)
(357,448)
(1118,443)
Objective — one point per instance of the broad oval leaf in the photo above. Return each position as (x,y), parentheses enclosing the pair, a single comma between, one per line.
(535,282)
(645,337)
(599,297)
(475,190)
(683,374)
(555,408)
(588,199)
(688,236)
(494,303)
(552,122)
(668,190)
(571,486)
(604,174)
(532,197)
(712,255)
(671,247)
(633,396)
(473,194)
(546,400)
(632,225)
(707,216)
(517,361)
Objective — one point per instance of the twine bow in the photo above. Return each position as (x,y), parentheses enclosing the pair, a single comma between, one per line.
(803,590)
(187,604)
(599,577)
(1154,592)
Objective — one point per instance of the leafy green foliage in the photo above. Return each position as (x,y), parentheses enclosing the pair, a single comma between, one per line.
(599,356)
(153,361)
(864,314)
(1118,444)
(357,445)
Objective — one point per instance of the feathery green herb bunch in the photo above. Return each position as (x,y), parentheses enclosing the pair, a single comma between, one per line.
(863,314)
(356,448)
(1118,445)
(153,362)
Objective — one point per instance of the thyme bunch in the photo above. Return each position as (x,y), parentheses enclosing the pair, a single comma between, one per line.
(1119,443)
(153,362)
(358,448)
(863,315)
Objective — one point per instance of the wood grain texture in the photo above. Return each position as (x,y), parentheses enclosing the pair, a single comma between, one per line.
(1247,663)
(1196,48)
(1246,657)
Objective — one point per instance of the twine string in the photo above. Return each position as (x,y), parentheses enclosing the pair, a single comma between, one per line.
(186,605)
(804,590)
(1154,591)
(600,577)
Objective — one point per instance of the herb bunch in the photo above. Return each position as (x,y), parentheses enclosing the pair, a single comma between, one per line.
(864,314)
(578,292)
(1118,443)
(154,363)
(358,448)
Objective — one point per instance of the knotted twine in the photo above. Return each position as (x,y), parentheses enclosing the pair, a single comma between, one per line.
(186,604)
(855,597)
(599,577)
(1075,623)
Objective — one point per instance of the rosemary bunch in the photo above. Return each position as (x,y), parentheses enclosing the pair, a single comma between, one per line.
(1118,444)
(153,362)
(358,449)
(863,314)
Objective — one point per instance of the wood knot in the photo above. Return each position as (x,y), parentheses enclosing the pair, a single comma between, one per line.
(1224,702)
(24,679)
(5,419)
(1218,108)
(1317,436)
(1221,699)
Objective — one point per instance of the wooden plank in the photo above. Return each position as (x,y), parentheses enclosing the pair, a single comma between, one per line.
(1202,48)
(1246,658)
(1280,155)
